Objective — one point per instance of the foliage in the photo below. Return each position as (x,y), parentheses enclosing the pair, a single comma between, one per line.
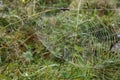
(40,40)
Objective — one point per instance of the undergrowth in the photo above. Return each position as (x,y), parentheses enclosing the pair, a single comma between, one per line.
(40,42)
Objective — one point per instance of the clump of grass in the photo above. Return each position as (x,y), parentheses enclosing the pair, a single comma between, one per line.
(68,45)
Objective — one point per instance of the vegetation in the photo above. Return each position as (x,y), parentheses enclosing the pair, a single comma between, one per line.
(59,40)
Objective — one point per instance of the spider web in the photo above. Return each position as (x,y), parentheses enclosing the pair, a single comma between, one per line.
(65,35)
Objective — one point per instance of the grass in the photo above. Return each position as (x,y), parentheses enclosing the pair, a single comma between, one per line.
(47,44)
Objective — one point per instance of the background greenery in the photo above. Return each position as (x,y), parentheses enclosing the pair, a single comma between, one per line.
(59,40)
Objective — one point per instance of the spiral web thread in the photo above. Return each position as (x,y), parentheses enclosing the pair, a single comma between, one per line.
(61,36)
